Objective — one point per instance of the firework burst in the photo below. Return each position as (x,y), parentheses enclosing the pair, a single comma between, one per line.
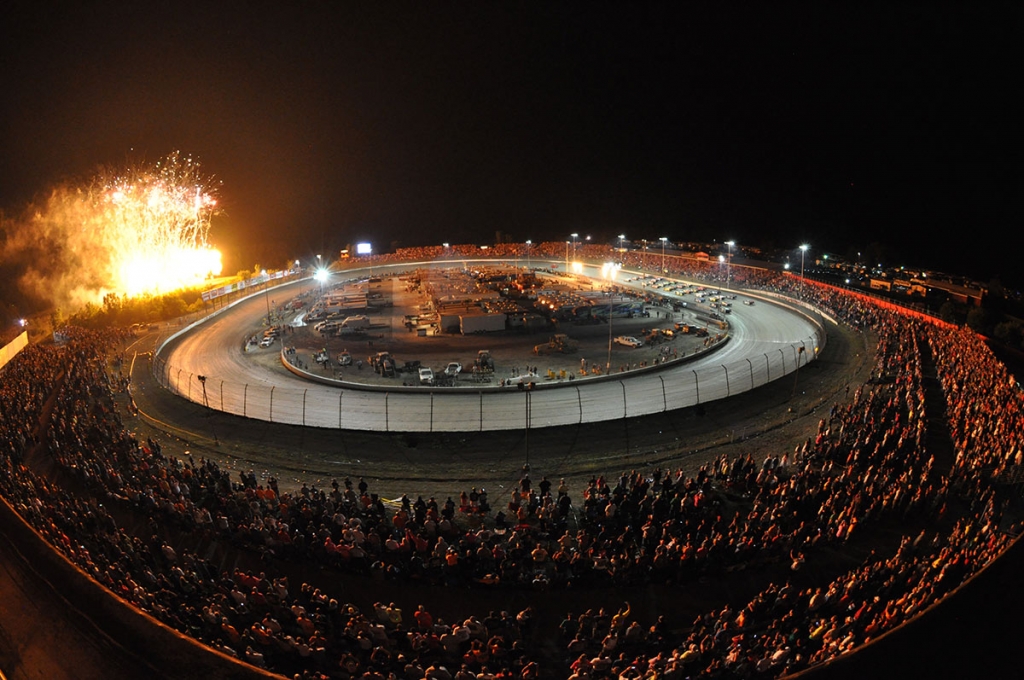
(138,231)
(155,223)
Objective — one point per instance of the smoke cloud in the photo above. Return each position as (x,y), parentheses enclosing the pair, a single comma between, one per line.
(137,231)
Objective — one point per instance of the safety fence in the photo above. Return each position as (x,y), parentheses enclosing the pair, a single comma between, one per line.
(422,409)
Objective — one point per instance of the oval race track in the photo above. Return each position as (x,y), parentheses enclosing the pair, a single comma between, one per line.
(767,342)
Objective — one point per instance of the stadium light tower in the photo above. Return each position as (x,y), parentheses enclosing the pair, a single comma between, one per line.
(574,237)
(728,262)
(622,237)
(803,252)
(528,244)
(663,239)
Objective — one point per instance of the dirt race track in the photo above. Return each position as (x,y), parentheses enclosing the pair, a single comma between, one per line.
(766,420)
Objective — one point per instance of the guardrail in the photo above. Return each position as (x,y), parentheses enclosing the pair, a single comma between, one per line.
(489,408)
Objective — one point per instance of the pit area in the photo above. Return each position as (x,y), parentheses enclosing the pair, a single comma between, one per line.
(536,329)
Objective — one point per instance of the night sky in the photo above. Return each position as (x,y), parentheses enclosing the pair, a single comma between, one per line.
(415,123)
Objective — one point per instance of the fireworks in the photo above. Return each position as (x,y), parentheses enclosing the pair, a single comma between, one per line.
(154,223)
(134,232)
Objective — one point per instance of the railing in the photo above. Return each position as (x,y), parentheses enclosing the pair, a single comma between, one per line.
(414,409)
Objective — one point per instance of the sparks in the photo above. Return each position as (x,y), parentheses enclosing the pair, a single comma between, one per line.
(139,231)
(157,221)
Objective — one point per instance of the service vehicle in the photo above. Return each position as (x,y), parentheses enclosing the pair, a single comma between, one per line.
(559,343)
(629,341)
(484,361)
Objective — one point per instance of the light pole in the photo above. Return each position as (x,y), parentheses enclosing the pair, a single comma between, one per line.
(643,256)
(566,258)
(202,381)
(447,253)
(663,239)
(266,296)
(528,244)
(608,368)
(622,237)
(803,251)
(728,262)
(574,237)
(320,275)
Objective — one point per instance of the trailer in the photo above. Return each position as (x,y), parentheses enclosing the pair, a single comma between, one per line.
(355,323)
(481,323)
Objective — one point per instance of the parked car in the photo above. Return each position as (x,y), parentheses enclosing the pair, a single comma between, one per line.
(453,369)
(628,341)
(426,376)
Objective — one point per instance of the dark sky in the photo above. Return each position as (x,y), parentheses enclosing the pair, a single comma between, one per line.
(330,122)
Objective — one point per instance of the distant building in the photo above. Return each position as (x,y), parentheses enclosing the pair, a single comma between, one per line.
(966,295)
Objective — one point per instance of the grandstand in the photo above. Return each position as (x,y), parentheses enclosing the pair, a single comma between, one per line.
(900,494)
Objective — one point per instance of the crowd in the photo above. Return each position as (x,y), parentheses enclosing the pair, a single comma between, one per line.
(71,468)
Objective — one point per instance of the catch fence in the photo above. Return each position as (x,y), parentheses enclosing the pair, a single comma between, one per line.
(476,408)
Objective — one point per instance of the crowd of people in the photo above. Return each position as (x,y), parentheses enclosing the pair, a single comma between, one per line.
(75,472)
